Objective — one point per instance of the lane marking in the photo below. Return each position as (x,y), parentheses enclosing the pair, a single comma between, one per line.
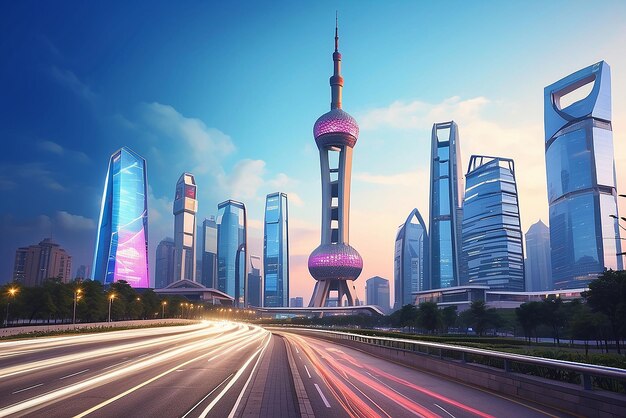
(74,374)
(297,352)
(307,371)
(28,388)
(443,409)
(116,364)
(207,395)
(322,395)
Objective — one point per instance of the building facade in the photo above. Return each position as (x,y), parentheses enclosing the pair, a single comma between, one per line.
(297,302)
(36,263)
(410,273)
(582,197)
(492,232)
(82,272)
(165,263)
(538,263)
(209,253)
(232,250)
(185,208)
(255,282)
(335,264)
(276,251)
(377,292)
(121,251)
(446,210)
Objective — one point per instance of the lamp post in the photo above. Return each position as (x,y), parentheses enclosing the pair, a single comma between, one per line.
(77,293)
(111,297)
(163,309)
(11,293)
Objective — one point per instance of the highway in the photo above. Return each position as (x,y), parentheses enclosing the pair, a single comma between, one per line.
(221,369)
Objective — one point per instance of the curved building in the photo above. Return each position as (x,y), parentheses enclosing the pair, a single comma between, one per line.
(580,168)
(446,210)
(335,264)
(185,209)
(122,236)
(492,232)
(276,252)
(410,272)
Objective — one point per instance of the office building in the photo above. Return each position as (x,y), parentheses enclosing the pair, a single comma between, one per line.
(446,211)
(209,253)
(582,197)
(492,233)
(297,302)
(410,272)
(538,263)
(232,250)
(36,263)
(82,272)
(185,209)
(377,292)
(276,251)
(121,251)
(255,282)
(335,264)
(165,264)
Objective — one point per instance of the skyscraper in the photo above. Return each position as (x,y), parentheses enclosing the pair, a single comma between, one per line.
(36,263)
(122,236)
(492,233)
(276,251)
(232,250)
(185,209)
(584,238)
(446,211)
(410,273)
(254,282)
(538,263)
(209,252)
(297,302)
(82,272)
(377,292)
(335,264)
(165,265)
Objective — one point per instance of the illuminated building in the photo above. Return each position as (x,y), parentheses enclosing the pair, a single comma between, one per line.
(582,197)
(276,251)
(46,260)
(209,252)
(185,208)
(122,236)
(164,267)
(410,273)
(232,250)
(335,264)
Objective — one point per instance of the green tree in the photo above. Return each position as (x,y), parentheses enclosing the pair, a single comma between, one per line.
(404,317)
(449,317)
(529,317)
(428,316)
(482,317)
(553,315)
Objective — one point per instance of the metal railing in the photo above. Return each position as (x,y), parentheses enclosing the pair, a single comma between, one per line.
(509,362)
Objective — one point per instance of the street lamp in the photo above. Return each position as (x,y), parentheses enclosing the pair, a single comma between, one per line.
(77,293)
(12,291)
(163,309)
(111,297)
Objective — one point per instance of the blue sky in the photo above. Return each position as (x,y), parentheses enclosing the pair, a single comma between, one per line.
(230,91)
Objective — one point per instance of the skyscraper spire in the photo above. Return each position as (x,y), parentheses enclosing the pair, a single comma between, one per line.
(336,81)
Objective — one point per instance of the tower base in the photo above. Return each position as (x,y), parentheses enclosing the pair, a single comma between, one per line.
(324,287)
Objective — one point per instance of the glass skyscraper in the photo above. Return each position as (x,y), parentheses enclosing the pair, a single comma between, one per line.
(492,233)
(580,168)
(209,252)
(276,251)
(185,208)
(232,250)
(538,264)
(254,282)
(122,236)
(377,292)
(446,211)
(410,272)
(164,263)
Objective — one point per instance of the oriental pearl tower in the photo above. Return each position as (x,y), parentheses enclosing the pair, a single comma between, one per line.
(335,264)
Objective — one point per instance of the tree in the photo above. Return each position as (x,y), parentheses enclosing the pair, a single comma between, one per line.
(449,317)
(529,317)
(586,325)
(607,295)
(404,317)
(482,317)
(553,315)
(428,316)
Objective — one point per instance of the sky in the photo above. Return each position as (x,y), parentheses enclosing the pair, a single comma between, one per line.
(229,91)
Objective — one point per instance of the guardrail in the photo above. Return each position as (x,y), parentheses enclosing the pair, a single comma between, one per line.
(508,362)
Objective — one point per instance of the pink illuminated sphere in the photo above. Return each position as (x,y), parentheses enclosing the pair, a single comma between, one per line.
(336,122)
(335,261)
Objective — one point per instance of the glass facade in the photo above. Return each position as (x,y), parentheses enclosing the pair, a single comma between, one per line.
(410,260)
(276,251)
(209,253)
(446,188)
(581,179)
(492,233)
(232,250)
(538,262)
(164,263)
(122,236)
(254,282)
(377,292)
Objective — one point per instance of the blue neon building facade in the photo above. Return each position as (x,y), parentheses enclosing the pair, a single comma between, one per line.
(121,251)
(580,168)
(492,232)
(232,268)
(446,210)
(410,273)
(276,251)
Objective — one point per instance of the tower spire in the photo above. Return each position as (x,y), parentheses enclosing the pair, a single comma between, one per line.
(336,81)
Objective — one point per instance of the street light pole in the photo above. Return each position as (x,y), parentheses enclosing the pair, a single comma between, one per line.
(111,297)
(76,297)
(163,309)
(12,292)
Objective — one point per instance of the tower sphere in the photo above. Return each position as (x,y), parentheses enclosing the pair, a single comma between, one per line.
(335,261)
(336,121)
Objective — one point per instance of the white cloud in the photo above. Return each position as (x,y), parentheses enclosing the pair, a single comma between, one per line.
(68,79)
(52,147)
(72,222)
(245,179)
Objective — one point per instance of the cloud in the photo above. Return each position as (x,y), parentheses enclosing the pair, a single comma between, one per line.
(245,179)
(401,179)
(54,148)
(68,79)
(71,222)
(13,174)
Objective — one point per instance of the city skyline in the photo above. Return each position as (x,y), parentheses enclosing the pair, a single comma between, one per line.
(385,110)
